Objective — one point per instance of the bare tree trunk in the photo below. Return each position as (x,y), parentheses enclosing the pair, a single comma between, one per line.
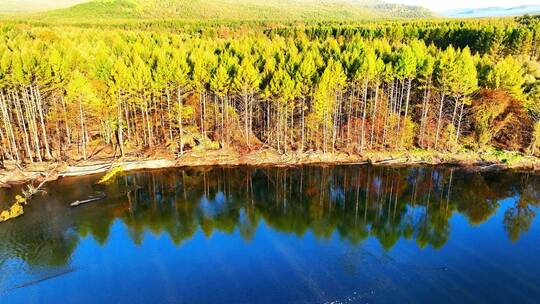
(169,116)
(162,120)
(128,122)
(408,98)
(325,134)
(285,124)
(20,118)
(30,118)
(389,106)
(400,105)
(180,122)
(222,121)
(204,129)
(251,106)
(459,123)
(374,115)
(68,131)
(439,121)
(455,112)
(364,110)
(7,150)
(201,117)
(83,133)
(349,115)
(9,126)
(39,102)
(246,116)
(58,132)
(303,125)
(120,125)
(268,132)
(134,125)
(335,117)
(425,109)
(227,120)
(148,123)
(154,104)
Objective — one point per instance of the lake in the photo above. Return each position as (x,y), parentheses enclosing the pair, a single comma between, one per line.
(312,234)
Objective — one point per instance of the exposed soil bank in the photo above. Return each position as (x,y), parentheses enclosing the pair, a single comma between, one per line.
(472,161)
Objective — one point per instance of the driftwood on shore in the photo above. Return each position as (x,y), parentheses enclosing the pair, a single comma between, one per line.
(389,161)
(85,170)
(489,167)
(99,196)
(127,165)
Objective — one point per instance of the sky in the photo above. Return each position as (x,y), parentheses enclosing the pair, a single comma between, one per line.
(441,5)
(32,5)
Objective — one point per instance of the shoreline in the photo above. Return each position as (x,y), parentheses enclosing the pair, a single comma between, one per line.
(267,158)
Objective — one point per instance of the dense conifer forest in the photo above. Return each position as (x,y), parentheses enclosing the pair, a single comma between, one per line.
(68,89)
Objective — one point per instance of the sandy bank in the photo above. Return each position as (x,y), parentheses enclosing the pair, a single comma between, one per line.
(13,175)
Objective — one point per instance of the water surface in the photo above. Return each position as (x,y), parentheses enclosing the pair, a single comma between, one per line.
(344,234)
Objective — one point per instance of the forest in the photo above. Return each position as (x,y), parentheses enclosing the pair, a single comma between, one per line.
(68,91)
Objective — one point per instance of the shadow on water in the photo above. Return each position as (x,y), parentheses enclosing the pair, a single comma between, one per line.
(353,203)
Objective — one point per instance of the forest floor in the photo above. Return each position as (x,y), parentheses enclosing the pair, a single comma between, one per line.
(488,160)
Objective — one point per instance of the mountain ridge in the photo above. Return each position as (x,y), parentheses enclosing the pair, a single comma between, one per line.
(240,10)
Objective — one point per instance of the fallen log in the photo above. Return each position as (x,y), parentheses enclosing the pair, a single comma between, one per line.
(390,161)
(490,167)
(416,162)
(86,170)
(98,197)
(358,163)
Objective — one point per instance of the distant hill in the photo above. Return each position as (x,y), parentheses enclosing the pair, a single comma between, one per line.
(240,10)
(492,11)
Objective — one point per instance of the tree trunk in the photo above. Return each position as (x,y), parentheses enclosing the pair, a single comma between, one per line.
(303,125)
(68,131)
(148,123)
(169,116)
(400,105)
(9,127)
(222,121)
(349,116)
(128,122)
(246,116)
(20,118)
(58,132)
(425,109)
(42,121)
(364,110)
(250,127)
(204,130)
(439,122)
(120,125)
(455,111)
(83,135)
(459,123)
(374,116)
(408,98)
(30,118)
(180,122)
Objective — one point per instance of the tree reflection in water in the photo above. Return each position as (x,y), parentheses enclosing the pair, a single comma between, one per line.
(352,202)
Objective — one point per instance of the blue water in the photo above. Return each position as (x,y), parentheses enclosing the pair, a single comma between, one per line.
(303,235)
